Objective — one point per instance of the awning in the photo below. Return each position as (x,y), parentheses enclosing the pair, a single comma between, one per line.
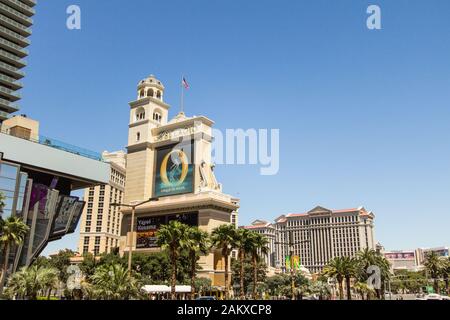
(165,289)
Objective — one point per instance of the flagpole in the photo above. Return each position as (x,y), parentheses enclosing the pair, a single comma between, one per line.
(182,94)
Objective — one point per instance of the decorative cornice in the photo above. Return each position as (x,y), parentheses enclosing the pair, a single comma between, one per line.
(147,100)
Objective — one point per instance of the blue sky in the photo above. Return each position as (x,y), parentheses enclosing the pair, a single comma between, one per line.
(363,115)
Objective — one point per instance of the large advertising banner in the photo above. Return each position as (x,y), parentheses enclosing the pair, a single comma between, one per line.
(174,172)
(147,227)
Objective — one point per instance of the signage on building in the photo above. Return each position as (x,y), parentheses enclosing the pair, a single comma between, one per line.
(181,132)
(147,227)
(174,172)
(399,255)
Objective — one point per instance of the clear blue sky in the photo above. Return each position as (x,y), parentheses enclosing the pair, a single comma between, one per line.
(363,115)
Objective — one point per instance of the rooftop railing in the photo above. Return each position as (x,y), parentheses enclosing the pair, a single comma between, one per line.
(56,144)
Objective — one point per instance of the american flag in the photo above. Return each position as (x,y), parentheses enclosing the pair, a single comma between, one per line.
(185,83)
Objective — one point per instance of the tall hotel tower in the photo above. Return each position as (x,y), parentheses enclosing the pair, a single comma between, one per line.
(15,23)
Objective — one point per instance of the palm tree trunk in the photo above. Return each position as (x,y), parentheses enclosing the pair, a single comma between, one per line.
(446,285)
(255,275)
(341,290)
(5,266)
(347,284)
(193,264)
(174,274)
(226,278)
(436,285)
(241,274)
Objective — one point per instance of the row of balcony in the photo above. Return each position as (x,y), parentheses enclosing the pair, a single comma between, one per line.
(14,48)
(3,115)
(14,25)
(11,95)
(8,106)
(14,37)
(14,14)
(20,6)
(10,82)
(12,59)
(11,71)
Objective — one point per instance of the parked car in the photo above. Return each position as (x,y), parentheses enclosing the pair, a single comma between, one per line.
(207,298)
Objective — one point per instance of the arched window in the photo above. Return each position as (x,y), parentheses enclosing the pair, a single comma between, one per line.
(138,137)
(140,114)
(158,94)
(157,116)
(150,93)
(142,93)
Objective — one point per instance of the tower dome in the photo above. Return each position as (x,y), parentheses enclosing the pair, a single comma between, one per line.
(150,87)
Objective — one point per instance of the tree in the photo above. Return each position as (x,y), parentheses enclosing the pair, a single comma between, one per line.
(258,245)
(2,202)
(197,244)
(364,290)
(61,261)
(224,239)
(243,244)
(173,237)
(248,279)
(321,289)
(433,265)
(113,282)
(12,232)
(369,257)
(336,269)
(446,273)
(202,285)
(29,282)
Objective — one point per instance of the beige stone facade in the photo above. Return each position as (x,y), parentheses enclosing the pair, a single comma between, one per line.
(101,222)
(317,236)
(150,130)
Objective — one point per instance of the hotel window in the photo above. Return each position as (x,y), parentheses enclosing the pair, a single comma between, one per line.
(85,249)
(157,117)
(86,241)
(87,229)
(98,229)
(96,250)
(138,137)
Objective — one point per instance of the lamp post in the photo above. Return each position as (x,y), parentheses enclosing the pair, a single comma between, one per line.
(133,212)
(290,244)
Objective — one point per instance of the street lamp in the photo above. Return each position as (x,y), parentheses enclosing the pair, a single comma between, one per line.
(133,212)
(290,244)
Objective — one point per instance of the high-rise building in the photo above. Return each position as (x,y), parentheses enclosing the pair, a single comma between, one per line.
(15,22)
(269,231)
(100,222)
(318,236)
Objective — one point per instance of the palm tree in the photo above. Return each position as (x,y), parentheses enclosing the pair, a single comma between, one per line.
(364,290)
(29,282)
(321,289)
(433,265)
(336,269)
(446,273)
(224,238)
(2,202)
(257,246)
(12,232)
(369,257)
(243,243)
(350,271)
(48,280)
(114,282)
(197,244)
(173,237)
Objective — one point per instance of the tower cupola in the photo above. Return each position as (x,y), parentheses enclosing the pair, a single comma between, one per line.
(151,87)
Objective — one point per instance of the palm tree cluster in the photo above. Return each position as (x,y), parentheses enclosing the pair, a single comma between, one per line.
(438,267)
(176,238)
(354,270)
(226,238)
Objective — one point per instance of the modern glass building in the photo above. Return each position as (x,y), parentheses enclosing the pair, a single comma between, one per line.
(15,23)
(37,177)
